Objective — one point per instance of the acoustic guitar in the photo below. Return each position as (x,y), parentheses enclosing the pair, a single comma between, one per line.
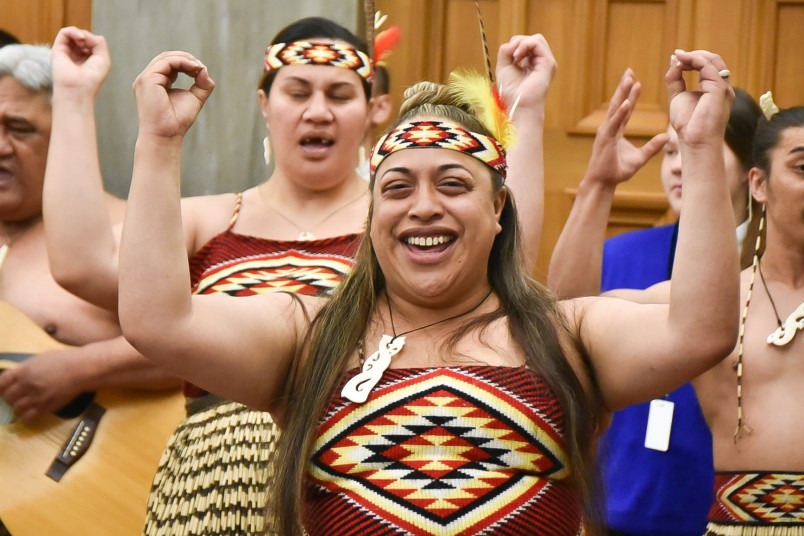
(88,475)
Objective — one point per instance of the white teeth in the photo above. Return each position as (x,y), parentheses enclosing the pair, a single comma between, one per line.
(428,241)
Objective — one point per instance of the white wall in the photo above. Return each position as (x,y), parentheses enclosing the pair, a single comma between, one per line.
(223,151)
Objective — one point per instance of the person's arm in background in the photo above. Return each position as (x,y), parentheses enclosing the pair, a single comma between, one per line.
(576,264)
(193,336)
(49,380)
(525,69)
(82,246)
(640,351)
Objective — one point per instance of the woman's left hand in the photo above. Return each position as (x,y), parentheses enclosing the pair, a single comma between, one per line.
(698,116)
(525,69)
(164,110)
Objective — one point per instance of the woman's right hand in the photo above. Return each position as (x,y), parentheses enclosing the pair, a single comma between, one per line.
(165,111)
(80,61)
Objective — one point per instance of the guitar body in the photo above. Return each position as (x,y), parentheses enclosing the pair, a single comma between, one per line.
(105,492)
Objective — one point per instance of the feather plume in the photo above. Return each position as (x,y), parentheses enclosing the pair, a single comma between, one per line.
(484,42)
(368,14)
(385,42)
(485,101)
(379,20)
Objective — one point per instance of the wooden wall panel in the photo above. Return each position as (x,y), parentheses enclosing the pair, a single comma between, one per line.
(787,76)
(78,13)
(38,21)
(639,34)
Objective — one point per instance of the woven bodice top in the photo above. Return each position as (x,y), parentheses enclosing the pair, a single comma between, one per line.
(241,265)
(444,451)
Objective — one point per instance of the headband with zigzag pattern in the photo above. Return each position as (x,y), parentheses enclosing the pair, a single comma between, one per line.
(310,53)
(440,135)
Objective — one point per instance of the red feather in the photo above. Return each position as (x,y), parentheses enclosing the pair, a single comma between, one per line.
(498,100)
(385,42)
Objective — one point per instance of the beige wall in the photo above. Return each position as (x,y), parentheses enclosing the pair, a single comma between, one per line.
(223,151)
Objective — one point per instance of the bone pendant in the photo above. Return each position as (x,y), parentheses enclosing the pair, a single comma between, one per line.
(358,388)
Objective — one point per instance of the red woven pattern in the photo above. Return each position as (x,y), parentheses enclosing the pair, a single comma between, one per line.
(758,499)
(241,265)
(447,451)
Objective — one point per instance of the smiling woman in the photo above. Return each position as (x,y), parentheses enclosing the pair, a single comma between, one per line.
(479,408)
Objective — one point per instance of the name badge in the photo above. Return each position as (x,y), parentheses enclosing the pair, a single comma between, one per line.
(660,422)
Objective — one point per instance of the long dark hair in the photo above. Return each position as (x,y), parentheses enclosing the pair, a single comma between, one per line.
(312,28)
(739,136)
(534,319)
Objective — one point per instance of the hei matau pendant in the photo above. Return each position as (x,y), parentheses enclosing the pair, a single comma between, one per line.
(358,388)
(785,333)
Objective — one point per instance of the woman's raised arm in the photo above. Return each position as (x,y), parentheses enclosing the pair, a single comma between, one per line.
(643,351)
(82,247)
(525,70)
(576,265)
(240,349)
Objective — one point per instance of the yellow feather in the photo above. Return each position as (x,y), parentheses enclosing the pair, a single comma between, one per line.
(475,90)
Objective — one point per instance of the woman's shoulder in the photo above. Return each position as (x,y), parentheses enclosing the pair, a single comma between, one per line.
(223,202)
(205,216)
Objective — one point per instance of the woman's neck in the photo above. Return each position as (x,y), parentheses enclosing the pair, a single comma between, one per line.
(10,230)
(297,197)
(411,312)
(784,264)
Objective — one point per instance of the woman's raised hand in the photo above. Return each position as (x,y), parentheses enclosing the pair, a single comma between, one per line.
(166,111)
(80,61)
(699,116)
(525,69)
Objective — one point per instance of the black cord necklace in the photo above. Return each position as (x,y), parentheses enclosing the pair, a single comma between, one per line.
(360,385)
(787,329)
(397,335)
(770,298)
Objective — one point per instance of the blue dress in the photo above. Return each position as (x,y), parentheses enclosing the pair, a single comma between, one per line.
(649,492)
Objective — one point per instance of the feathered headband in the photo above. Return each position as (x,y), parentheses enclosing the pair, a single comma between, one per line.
(472,90)
(481,96)
(469,90)
(312,53)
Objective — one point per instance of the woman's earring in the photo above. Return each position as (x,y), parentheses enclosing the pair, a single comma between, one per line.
(266,150)
(363,168)
(362,159)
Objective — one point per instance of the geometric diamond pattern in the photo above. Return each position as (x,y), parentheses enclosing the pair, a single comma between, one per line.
(440,135)
(289,271)
(759,498)
(307,53)
(446,451)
